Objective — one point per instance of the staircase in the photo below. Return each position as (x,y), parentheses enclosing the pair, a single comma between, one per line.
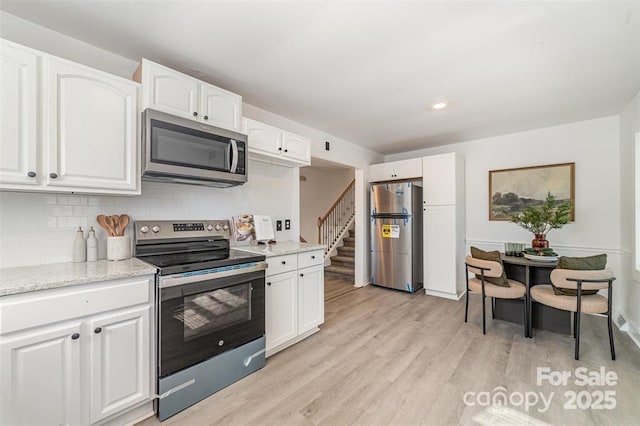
(343,264)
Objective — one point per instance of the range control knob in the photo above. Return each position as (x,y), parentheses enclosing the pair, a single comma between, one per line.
(144,229)
(155,229)
(218,227)
(225,227)
(209,227)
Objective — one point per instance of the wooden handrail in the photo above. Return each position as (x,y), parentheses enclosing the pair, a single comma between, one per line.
(321,219)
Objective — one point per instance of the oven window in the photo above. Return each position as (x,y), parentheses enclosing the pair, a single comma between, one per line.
(204,313)
(175,145)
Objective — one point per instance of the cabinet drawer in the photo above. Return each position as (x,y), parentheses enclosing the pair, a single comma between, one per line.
(280,264)
(24,311)
(310,258)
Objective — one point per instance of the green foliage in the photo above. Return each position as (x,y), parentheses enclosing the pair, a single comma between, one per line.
(544,218)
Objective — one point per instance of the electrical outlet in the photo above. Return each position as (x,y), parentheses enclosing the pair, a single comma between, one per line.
(287,224)
(278,225)
(326,146)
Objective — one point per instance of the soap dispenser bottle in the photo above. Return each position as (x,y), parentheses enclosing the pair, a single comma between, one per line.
(92,246)
(79,247)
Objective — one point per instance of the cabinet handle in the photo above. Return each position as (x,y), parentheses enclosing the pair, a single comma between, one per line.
(313,257)
(97,330)
(195,114)
(284,262)
(268,283)
(206,117)
(280,149)
(286,150)
(302,275)
(31,174)
(53,175)
(75,336)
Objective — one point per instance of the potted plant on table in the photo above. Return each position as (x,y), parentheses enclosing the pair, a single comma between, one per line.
(541,219)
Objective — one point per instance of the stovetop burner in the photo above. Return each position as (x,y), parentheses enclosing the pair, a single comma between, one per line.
(176,247)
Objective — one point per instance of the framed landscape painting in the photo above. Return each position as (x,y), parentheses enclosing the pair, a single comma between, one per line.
(512,190)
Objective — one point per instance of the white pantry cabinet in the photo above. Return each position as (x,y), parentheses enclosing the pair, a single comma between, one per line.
(66,127)
(270,144)
(83,353)
(173,92)
(294,298)
(444,225)
(396,170)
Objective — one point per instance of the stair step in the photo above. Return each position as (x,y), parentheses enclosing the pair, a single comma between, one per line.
(349,239)
(346,250)
(340,270)
(343,259)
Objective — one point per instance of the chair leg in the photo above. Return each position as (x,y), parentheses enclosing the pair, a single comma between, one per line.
(466,307)
(493,308)
(613,350)
(577,336)
(575,321)
(484,323)
(524,321)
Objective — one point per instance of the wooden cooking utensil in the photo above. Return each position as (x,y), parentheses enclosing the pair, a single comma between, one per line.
(112,225)
(122,224)
(102,221)
(115,220)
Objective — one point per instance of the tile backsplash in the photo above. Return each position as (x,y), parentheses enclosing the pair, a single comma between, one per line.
(37,228)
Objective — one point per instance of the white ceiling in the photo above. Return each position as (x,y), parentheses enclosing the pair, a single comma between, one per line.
(365,71)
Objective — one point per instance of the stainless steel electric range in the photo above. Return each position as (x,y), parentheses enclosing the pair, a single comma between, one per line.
(210,309)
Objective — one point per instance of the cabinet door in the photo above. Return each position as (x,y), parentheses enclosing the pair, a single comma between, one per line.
(310,298)
(119,361)
(296,147)
(281,309)
(169,91)
(220,107)
(407,169)
(18,115)
(262,138)
(439,179)
(381,172)
(440,249)
(91,137)
(40,376)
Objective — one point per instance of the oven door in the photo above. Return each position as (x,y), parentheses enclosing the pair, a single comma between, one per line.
(204,314)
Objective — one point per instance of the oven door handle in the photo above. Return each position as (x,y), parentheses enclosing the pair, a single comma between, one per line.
(180,279)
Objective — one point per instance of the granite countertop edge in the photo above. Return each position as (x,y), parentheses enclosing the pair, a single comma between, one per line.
(281,248)
(26,279)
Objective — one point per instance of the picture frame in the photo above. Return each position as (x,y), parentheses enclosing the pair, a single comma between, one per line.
(511,190)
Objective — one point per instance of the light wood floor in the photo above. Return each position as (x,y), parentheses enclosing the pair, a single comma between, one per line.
(385,357)
(335,286)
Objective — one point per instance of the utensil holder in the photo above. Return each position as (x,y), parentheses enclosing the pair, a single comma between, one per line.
(119,248)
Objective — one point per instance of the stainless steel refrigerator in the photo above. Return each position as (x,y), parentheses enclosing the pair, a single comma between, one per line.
(396,235)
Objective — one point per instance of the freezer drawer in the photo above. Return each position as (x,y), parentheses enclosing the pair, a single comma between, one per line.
(392,270)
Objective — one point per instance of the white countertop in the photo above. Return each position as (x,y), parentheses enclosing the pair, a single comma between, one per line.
(24,279)
(281,248)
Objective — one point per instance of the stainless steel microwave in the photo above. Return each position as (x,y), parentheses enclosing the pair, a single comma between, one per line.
(176,149)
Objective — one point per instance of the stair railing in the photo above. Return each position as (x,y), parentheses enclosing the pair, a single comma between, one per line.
(336,221)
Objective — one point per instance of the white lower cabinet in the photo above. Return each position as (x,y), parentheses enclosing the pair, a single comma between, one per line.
(76,370)
(294,298)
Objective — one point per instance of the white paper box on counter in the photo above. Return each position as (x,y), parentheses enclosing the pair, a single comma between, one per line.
(119,248)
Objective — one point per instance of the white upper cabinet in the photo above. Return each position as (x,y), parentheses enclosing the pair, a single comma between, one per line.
(442,180)
(18,125)
(66,127)
(396,170)
(273,145)
(167,90)
(220,108)
(176,93)
(91,137)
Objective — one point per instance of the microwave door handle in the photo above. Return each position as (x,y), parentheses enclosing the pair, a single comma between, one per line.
(234,156)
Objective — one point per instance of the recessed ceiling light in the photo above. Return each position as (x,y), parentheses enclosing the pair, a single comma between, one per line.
(439,105)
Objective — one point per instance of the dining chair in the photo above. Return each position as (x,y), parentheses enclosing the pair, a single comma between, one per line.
(491,269)
(579,280)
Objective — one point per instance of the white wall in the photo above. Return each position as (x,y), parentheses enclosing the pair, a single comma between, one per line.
(629,278)
(594,147)
(39,228)
(317,194)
